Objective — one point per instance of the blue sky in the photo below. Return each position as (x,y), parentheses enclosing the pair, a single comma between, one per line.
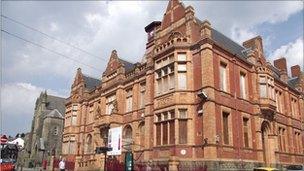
(99,27)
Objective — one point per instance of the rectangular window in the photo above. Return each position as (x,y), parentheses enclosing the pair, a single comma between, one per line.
(182,76)
(142,95)
(181,57)
(225,116)
(223,77)
(246,132)
(263,91)
(183,113)
(158,134)
(172,132)
(74,120)
(183,131)
(243,85)
(129,100)
(110,102)
(282,139)
(165,133)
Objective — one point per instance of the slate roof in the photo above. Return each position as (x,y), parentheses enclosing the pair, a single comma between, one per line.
(228,44)
(90,82)
(293,81)
(54,114)
(225,42)
(128,65)
(54,102)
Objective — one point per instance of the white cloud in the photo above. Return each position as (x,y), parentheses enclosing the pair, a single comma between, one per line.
(53,26)
(240,34)
(293,52)
(17,106)
(19,98)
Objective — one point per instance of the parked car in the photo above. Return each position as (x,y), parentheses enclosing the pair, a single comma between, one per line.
(265,169)
(295,168)
(7,165)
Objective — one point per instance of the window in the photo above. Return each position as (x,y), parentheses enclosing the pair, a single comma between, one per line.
(129,100)
(294,107)
(266,87)
(183,127)
(243,85)
(165,128)
(225,116)
(297,142)
(88,146)
(279,101)
(223,77)
(158,133)
(246,131)
(181,57)
(142,95)
(282,139)
(74,120)
(182,76)
(110,104)
(74,114)
(141,129)
(164,75)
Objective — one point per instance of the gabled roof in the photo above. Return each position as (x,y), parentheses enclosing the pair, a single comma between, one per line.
(55,102)
(54,114)
(90,82)
(127,65)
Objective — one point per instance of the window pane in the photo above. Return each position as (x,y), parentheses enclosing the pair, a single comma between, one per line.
(223,79)
(158,134)
(165,133)
(172,132)
(183,113)
(181,57)
(225,128)
(182,131)
(263,91)
(181,67)
(171,77)
(242,86)
(182,81)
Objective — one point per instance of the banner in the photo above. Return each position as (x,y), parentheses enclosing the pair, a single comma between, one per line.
(114,141)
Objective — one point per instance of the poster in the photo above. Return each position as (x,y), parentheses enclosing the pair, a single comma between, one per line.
(114,141)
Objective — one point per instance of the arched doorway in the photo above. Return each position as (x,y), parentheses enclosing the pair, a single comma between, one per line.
(265,129)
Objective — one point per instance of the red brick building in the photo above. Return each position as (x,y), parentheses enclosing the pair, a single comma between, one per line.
(198,99)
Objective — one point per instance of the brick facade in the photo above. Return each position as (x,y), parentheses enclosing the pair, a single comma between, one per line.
(252,116)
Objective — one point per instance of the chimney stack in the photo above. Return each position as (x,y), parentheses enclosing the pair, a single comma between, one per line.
(282,66)
(295,71)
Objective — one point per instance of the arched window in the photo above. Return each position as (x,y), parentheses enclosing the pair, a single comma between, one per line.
(127,133)
(127,136)
(88,145)
(141,129)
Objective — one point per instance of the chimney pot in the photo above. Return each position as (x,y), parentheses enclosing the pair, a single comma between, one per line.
(295,71)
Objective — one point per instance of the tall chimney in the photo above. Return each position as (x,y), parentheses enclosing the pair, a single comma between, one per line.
(282,66)
(295,71)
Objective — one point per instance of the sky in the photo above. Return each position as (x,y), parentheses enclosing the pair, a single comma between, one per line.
(98,27)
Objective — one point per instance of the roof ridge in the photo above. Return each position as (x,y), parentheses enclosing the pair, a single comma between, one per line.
(86,75)
(229,38)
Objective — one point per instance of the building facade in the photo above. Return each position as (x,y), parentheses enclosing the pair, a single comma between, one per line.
(45,138)
(197,99)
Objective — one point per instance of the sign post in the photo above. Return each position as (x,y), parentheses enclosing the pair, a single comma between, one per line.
(129,164)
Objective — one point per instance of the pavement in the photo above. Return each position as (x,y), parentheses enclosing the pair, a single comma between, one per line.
(30,169)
